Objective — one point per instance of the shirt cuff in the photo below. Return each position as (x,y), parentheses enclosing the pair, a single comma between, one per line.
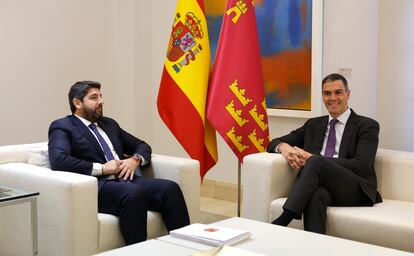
(277,148)
(143,161)
(96,169)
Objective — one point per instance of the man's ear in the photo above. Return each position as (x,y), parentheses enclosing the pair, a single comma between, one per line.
(77,103)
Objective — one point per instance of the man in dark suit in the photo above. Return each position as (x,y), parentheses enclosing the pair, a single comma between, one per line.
(88,143)
(335,155)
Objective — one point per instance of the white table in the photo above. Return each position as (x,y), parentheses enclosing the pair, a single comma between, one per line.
(150,247)
(266,239)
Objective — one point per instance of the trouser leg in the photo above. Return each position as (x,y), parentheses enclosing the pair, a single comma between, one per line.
(128,202)
(340,183)
(315,211)
(166,197)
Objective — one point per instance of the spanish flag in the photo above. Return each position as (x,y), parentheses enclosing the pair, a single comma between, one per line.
(236,104)
(184,84)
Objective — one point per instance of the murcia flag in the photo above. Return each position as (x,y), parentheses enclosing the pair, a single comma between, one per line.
(183,90)
(236,104)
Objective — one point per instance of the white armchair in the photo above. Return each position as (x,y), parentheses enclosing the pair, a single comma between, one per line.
(267,180)
(68,218)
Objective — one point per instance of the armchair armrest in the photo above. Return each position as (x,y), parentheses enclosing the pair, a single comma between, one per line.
(67,207)
(265,177)
(185,172)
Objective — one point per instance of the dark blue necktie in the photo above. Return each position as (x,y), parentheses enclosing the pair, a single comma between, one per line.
(107,151)
(330,144)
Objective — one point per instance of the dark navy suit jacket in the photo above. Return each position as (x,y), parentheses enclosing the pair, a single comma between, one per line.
(356,153)
(73,148)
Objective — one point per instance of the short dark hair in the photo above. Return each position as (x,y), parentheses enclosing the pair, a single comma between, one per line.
(79,91)
(335,77)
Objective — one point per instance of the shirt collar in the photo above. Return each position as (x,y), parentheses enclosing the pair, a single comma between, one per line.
(84,121)
(343,118)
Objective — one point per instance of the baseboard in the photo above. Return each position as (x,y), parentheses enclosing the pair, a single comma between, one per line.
(220,190)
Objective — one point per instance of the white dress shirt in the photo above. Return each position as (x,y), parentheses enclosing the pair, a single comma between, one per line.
(339,131)
(97,167)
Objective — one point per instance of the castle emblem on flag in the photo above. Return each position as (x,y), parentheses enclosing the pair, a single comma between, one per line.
(257,118)
(238,9)
(258,143)
(236,114)
(236,139)
(183,46)
(234,87)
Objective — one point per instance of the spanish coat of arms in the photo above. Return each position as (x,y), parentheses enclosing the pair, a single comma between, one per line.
(183,46)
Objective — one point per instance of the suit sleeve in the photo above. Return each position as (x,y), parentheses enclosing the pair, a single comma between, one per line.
(366,148)
(60,152)
(133,145)
(294,138)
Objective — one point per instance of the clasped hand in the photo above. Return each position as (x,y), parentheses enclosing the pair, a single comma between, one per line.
(123,169)
(295,156)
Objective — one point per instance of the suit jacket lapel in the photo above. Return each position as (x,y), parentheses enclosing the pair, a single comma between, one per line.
(85,131)
(320,134)
(348,131)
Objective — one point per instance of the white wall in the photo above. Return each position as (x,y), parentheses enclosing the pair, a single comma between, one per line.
(395,79)
(45,47)
(350,42)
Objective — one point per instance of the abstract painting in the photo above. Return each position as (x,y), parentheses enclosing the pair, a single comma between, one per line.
(290,37)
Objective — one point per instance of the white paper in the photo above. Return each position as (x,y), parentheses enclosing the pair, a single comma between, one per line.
(209,234)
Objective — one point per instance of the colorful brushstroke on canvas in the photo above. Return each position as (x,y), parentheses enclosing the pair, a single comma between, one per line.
(285,36)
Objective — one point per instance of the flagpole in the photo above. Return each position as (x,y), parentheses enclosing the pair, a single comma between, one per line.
(238,187)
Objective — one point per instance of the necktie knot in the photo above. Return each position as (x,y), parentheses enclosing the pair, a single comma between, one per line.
(333,122)
(93,127)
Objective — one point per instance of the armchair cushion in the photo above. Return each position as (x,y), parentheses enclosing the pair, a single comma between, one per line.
(39,157)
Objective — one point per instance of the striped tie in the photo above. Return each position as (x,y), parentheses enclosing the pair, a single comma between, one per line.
(107,151)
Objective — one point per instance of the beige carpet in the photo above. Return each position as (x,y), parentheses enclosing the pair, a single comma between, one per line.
(207,217)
